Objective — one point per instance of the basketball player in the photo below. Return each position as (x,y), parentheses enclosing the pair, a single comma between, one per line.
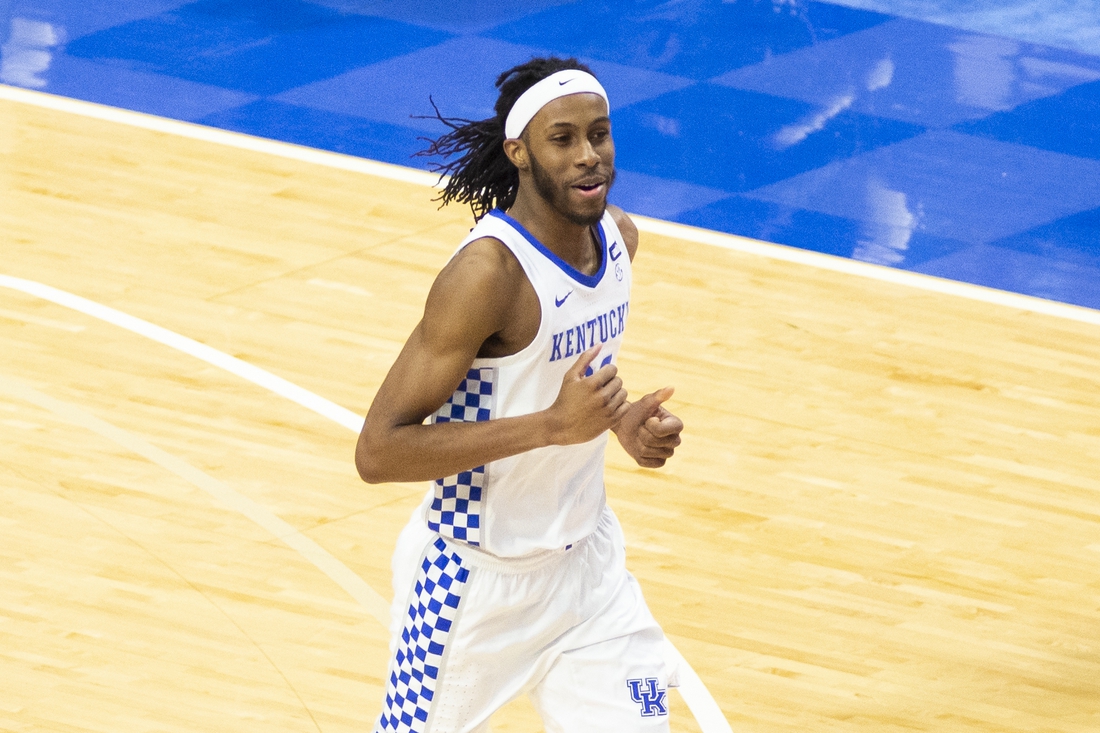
(510,578)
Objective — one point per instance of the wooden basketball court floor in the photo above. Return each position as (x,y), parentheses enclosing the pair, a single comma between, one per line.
(885,515)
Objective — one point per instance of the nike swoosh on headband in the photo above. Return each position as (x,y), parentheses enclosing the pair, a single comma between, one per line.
(546,91)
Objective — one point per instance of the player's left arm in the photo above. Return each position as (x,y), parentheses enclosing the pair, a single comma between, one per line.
(647,432)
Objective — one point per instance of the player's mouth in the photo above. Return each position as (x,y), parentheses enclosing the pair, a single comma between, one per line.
(591,187)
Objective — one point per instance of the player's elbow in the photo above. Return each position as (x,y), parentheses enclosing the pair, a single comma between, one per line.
(367,471)
(368,461)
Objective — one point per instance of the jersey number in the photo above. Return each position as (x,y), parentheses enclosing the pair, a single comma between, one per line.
(589,371)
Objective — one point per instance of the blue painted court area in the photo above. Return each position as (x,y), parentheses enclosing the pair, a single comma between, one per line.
(959,139)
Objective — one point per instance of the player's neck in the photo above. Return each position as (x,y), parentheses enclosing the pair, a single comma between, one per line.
(571,242)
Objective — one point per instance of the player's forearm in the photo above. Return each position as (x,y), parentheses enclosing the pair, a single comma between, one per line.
(426,452)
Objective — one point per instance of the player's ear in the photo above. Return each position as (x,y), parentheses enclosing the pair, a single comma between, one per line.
(516,150)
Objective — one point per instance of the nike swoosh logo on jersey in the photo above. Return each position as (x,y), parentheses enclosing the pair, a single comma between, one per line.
(558,302)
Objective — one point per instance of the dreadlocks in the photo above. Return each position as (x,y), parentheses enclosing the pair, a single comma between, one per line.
(481,175)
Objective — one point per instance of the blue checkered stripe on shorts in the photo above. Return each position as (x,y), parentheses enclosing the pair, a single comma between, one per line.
(415,669)
(456,508)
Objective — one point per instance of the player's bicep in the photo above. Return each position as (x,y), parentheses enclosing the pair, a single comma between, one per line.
(422,378)
(463,309)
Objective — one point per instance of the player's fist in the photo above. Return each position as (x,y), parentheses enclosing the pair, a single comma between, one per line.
(648,432)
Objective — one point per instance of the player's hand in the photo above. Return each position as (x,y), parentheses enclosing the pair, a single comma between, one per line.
(586,406)
(648,432)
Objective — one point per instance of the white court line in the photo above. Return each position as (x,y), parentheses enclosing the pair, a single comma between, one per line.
(214,135)
(654,226)
(355,586)
(220,359)
(698,698)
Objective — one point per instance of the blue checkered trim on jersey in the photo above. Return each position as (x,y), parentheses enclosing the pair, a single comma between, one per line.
(472,401)
(414,670)
(456,507)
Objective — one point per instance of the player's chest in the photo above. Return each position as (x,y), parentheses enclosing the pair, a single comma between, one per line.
(577,318)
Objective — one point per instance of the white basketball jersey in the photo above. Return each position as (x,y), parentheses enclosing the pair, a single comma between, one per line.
(550,497)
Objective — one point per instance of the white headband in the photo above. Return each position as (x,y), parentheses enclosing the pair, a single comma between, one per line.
(561,84)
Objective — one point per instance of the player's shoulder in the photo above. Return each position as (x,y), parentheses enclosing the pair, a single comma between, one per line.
(627,228)
(476,292)
(483,267)
(489,256)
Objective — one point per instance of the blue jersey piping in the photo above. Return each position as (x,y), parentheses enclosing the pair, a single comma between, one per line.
(589,281)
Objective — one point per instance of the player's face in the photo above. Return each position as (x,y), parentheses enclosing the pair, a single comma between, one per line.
(573,156)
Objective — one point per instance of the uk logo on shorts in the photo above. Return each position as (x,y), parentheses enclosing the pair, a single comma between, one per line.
(647,694)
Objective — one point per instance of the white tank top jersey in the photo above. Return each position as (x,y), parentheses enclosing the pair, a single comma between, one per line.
(551,497)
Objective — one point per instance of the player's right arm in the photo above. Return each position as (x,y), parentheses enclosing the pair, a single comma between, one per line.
(472,299)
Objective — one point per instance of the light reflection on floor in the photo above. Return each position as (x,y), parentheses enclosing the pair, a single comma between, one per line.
(967,147)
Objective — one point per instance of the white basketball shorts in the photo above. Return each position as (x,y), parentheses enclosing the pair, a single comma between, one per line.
(569,627)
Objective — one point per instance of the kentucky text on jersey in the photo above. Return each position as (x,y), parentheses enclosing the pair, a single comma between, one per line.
(597,330)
